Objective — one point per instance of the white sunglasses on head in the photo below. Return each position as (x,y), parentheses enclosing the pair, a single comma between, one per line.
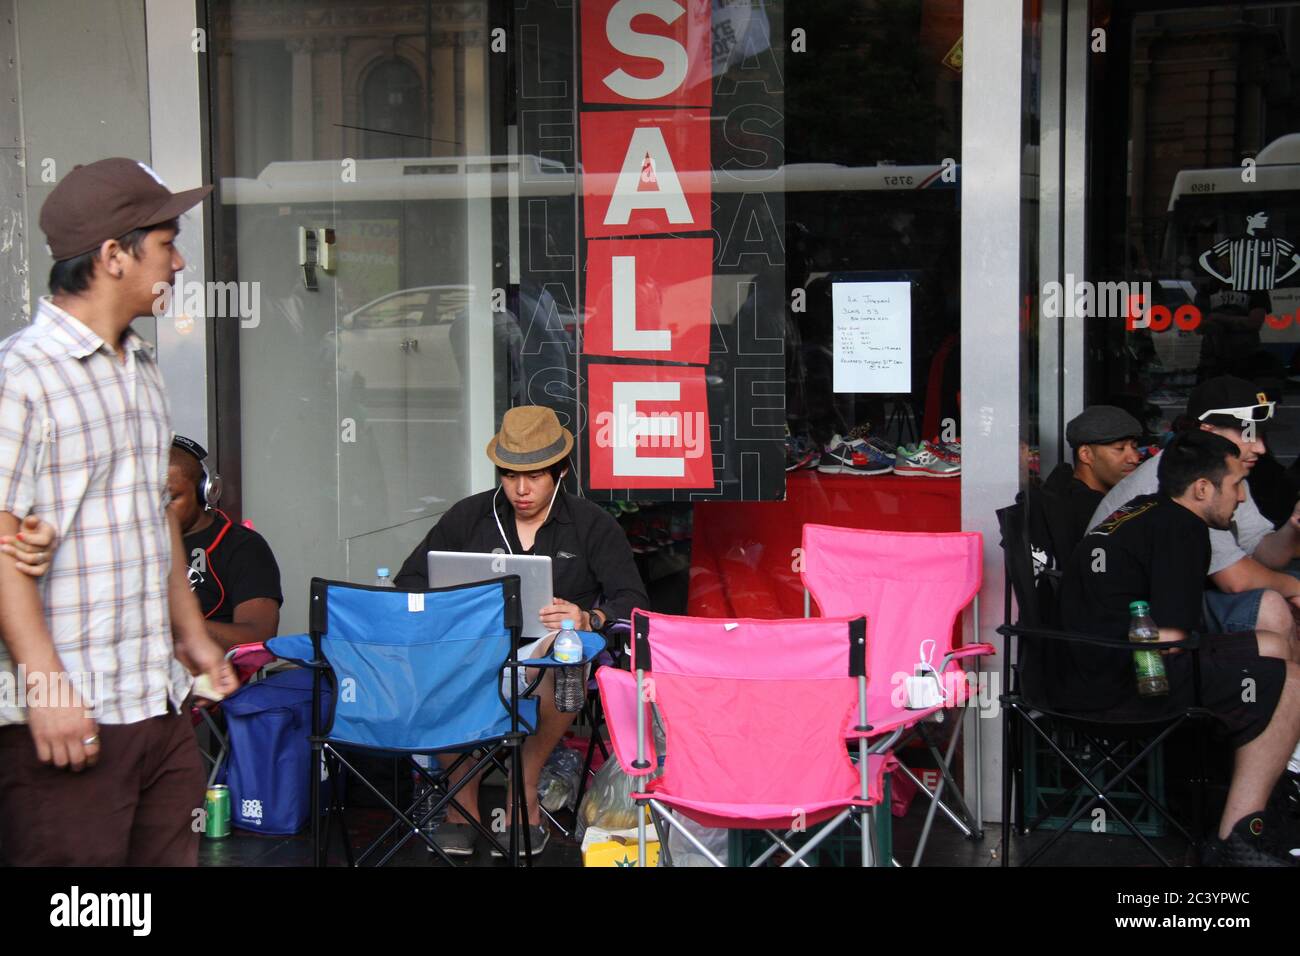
(1245,413)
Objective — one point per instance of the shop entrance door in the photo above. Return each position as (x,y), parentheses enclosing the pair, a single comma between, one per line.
(347,150)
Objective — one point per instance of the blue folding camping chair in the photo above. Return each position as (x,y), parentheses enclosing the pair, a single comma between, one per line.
(418,673)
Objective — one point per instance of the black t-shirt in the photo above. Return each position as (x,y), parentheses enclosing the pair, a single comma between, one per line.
(1273,488)
(239,568)
(1076,502)
(591,561)
(1152,549)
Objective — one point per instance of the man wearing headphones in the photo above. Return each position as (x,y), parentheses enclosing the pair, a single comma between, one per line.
(231,568)
(595,576)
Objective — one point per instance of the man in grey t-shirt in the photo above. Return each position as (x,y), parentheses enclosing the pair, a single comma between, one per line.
(1251,588)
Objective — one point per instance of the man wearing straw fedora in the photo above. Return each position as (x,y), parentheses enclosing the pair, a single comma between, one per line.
(596,580)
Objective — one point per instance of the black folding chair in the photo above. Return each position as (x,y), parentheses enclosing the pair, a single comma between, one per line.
(593,712)
(1120,747)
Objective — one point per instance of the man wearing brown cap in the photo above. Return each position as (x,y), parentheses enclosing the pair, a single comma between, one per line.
(106,770)
(595,577)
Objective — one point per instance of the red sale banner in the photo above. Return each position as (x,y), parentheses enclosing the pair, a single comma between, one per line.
(648,427)
(649,298)
(647,52)
(645,172)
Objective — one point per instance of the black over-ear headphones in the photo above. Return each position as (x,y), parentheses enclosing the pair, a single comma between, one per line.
(207,490)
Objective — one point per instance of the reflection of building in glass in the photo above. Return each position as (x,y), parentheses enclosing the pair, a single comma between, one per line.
(1177,187)
(363,79)
(1208,89)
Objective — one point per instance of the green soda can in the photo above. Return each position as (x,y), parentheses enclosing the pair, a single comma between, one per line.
(1150,666)
(216,806)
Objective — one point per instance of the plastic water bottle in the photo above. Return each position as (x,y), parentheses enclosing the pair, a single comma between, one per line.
(423,797)
(1151,678)
(382,580)
(570,682)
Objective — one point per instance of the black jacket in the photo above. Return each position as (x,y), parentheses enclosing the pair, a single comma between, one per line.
(1072,505)
(591,560)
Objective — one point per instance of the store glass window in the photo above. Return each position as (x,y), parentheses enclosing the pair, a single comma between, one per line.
(1194,206)
(715,240)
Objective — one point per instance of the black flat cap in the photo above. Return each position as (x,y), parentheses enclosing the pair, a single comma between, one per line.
(1100,425)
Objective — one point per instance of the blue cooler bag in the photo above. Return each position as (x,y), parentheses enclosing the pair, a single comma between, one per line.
(269,769)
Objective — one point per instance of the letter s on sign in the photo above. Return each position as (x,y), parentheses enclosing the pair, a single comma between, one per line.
(670,54)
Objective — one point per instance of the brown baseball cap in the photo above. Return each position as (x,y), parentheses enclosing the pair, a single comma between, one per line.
(106,200)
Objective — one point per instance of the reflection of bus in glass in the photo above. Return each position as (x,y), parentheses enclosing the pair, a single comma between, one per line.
(1234,232)
(405,224)
(1213,222)
(1230,248)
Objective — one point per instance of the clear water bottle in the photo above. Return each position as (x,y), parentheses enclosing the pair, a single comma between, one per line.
(423,797)
(382,580)
(570,682)
(1151,678)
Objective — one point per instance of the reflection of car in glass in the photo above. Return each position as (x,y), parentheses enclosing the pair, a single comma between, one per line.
(404,342)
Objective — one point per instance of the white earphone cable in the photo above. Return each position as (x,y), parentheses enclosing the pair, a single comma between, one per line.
(496,515)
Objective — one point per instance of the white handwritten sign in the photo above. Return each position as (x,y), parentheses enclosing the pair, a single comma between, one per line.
(872,336)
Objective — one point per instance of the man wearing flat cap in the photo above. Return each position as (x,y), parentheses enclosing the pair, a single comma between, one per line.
(595,576)
(1250,585)
(98,766)
(1104,441)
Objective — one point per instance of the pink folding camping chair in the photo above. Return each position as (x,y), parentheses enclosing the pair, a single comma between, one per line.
(248,661)
(911,586)
(758,717)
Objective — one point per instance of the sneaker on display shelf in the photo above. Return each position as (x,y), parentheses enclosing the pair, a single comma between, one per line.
(921,462)
(854,458)
(863,433)
(948,451)
(801,452)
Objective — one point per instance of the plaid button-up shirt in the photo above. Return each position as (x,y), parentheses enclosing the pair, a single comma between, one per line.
(84,439)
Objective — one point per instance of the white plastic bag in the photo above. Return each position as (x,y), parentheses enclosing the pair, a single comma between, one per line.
(607,804)
(683,851)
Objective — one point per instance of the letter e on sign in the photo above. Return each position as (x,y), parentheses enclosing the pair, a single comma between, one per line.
(654,441)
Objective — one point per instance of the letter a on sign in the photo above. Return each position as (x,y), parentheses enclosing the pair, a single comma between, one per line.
(646,172)
(649,298)
(665,59)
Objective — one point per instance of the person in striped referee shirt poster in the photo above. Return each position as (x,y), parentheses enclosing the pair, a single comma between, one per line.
(1256,262)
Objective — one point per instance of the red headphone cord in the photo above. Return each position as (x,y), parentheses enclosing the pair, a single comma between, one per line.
(208,555)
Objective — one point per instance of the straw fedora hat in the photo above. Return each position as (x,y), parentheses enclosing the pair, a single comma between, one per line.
(531,438)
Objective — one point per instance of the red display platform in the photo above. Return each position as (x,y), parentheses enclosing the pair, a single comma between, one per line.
(744,553)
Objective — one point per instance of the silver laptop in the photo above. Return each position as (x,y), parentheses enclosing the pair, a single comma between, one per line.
(536,587)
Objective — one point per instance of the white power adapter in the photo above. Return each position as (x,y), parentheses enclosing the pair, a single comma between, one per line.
(923,689)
